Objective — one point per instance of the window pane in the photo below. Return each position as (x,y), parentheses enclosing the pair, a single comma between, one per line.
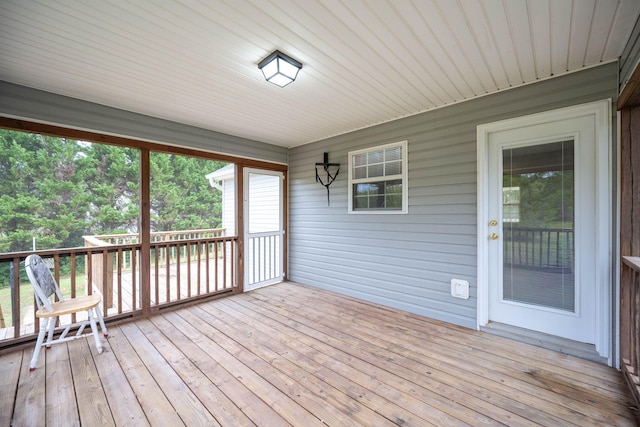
(360,172)
(376,188)
(394,201)
(378,195)
(538,225)
(376,170)
(393,168)
(393,154)
(394,187)
(360,160)
(361,202)
(361,189)
(376,157)
(376,202)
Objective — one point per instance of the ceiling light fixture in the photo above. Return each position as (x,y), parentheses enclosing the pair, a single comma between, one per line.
(279,68)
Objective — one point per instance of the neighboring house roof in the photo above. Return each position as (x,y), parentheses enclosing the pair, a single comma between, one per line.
(221,174)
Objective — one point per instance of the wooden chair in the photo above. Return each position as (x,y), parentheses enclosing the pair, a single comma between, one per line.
(49,310)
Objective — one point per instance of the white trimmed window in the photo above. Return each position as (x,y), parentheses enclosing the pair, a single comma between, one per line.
(378,179)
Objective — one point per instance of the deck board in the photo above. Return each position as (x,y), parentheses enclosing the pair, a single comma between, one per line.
(293,355)
(10,365)
(492,363)
(61,405)
(484,369)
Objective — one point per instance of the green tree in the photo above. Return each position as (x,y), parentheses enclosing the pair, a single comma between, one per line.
(42,193)
(181,197)
(546,198)
(112,178)
(56,190)
(16,199)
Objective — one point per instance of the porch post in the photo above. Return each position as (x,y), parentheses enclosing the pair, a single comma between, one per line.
(145,233)
(629,107)
(240,225)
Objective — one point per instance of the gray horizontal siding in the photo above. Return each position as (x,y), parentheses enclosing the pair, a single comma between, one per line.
(630,56)
(31,104)
(407,261)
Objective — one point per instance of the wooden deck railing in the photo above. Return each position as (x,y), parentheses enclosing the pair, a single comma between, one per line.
(201,267)
(541,248)
(156,236)
(630,323)
(103,280)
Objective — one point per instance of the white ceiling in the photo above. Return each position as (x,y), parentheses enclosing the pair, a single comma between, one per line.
(365,61)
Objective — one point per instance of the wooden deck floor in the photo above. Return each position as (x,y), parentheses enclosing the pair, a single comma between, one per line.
(293,355)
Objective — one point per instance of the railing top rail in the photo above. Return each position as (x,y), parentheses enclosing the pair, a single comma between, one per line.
(84,250)
(632,261)
(157,233)
(178,242)
(561,230)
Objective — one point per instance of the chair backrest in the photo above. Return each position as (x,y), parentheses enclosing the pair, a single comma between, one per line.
(44,285)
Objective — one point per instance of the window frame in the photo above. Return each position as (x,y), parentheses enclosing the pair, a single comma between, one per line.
(403,176)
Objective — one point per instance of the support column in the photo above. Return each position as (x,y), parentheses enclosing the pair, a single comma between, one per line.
(145,233)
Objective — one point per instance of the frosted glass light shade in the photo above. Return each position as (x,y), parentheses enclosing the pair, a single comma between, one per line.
(279,68)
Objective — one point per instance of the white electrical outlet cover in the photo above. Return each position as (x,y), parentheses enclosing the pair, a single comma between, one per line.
(460,288)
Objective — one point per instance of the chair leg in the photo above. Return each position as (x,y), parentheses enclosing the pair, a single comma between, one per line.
(94,330)
(101,320)
(52,326)
(39,342)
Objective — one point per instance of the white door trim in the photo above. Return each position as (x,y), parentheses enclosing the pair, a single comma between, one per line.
(601,110)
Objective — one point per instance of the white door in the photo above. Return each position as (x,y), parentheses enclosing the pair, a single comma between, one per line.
(544,219)
(263,204)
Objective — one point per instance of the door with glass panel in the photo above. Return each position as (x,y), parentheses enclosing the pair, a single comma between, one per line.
(542,228)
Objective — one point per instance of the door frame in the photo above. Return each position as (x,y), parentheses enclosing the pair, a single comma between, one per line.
(601,110)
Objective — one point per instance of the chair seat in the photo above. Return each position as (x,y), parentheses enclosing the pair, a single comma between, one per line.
(70,306)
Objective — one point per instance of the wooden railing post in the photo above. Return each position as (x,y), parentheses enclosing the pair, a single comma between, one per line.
(101,269)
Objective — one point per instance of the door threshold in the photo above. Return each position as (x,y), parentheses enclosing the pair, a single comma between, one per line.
(550,342)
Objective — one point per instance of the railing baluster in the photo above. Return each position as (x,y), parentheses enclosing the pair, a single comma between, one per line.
(519,234)
(121,259)
(156,267)
(167,281)
(178,250)
(134,281)
(206,266)
(232,263)
(73,283)
(88,266)
(16,313)
(215,266)
(224,265)
(188,250)
(199,268)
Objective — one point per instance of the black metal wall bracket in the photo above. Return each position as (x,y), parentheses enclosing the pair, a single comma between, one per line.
(330,176)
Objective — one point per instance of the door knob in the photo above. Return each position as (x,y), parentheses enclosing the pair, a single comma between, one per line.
(493,236)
